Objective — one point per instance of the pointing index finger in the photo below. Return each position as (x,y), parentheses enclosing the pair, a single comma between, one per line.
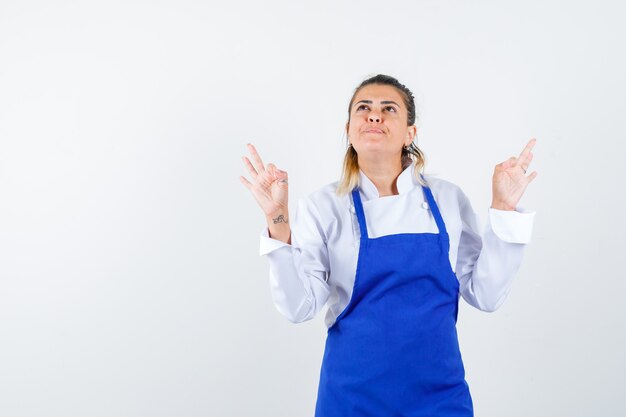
(256,158)
(525,155)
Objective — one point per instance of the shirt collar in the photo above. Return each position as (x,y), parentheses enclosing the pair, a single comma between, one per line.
(405,182)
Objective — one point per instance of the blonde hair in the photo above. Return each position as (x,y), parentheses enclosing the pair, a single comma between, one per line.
(350,175)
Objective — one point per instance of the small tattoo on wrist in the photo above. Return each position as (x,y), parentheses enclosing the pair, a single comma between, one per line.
(280,219)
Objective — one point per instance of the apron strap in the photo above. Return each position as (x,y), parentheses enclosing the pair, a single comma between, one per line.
(434,209)
(360,214)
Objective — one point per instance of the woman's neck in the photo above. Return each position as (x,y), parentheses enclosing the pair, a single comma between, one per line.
(383,174)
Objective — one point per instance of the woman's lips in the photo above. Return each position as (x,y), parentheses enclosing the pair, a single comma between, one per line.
(379,131)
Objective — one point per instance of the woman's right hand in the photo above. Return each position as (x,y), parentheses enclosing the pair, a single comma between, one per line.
(270,188)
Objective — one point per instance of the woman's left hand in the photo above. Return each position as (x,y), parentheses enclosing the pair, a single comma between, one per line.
(510,179)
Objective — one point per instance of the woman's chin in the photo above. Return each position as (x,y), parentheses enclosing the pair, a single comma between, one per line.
(376,148)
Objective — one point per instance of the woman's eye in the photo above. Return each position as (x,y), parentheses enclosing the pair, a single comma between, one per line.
(390,108)
(362,107)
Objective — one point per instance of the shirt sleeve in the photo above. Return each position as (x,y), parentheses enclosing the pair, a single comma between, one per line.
(487,264)
(299,272)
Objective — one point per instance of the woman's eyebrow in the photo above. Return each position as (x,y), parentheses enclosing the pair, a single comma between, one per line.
(382,102)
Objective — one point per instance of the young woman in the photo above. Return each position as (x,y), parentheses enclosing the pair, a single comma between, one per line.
(390,250)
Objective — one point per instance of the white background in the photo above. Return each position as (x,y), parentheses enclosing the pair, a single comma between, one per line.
(130,283)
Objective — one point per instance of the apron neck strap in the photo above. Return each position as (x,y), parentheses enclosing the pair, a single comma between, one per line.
(360,214)
(434,209)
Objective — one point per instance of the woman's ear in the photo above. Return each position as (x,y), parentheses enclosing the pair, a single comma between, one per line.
(410,134)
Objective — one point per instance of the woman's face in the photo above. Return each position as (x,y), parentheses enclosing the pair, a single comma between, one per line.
(378,122)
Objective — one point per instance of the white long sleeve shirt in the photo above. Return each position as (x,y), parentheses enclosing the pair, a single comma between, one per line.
(319,266)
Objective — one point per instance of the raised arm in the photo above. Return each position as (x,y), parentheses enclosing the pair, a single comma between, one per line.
(298,269)
(487,262)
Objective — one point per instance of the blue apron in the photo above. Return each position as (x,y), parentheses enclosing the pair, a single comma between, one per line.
(393,351)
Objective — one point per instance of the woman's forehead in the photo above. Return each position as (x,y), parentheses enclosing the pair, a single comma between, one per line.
(378,92)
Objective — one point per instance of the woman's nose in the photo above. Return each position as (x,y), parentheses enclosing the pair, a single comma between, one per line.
(374,118)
